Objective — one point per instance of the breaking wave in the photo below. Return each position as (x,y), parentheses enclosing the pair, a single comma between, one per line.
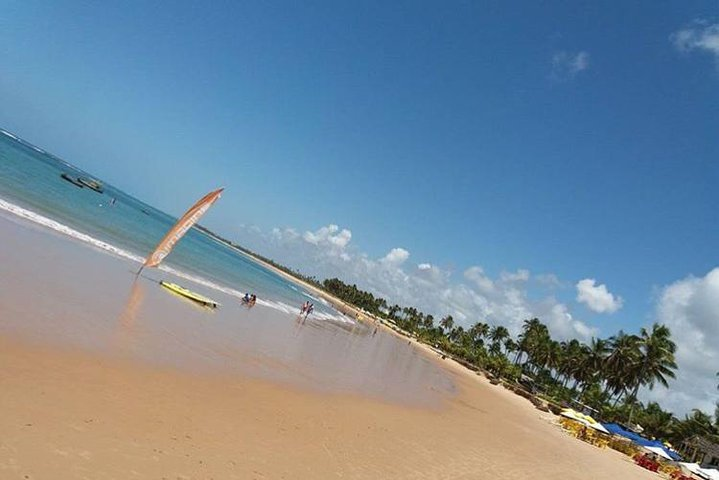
(44,221)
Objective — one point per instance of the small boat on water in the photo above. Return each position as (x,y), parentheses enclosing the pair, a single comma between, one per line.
(72,180)
(91,183)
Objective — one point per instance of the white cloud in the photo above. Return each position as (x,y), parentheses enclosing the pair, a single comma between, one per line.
(596,297)
(477,276)
(396,256)
(284,234)
(520,275)
(548,280)
(566,65)
(469,297)
(331,235)
(690,308)
(699,36)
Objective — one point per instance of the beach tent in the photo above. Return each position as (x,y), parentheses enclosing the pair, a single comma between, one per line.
(583,419)
(708,473)
(641,441)
(659,451)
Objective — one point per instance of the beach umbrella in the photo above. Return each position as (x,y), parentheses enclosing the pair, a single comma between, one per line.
(659,451)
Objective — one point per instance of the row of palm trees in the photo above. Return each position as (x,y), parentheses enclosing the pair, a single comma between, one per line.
(359,298)
(606,374)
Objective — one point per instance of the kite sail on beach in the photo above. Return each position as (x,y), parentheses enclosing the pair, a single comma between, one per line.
(180,228)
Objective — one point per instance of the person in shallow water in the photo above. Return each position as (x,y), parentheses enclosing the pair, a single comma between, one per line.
(304,307)
(246,298)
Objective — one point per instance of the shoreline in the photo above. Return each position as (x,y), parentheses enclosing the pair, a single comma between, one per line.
(102,381)
(74,415)
(343,307)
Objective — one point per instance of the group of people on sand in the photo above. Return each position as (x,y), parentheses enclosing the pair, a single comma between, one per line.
(249,300)
(307,308)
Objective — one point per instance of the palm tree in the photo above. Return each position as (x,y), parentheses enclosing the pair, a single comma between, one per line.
(554,357)
(456,334)
(447,323)
(656,421)
(428,322)
(622,362)
(478,332)
(657,362)
(571,359)
(510,346)
(533,331)
(498,334)
(592,362)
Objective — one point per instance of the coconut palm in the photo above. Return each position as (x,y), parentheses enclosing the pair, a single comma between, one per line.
(447,323)
(498,334)
(533,334)
(622,362)
(657,361)
(393,311)
(510,346)
(592,362)
(478,332)
(571,359)
(456,334)
(428,322)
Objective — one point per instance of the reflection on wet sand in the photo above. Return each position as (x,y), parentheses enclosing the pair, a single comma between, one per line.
(134,300)
(91,302)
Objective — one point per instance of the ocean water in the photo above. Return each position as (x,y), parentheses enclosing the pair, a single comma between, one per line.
(31,187)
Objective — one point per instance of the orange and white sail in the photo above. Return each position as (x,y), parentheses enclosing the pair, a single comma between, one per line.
(180,228)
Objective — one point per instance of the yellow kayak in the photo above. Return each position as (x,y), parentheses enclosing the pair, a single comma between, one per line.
(201,299)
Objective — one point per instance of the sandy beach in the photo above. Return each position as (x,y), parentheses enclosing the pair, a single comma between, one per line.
(106,378)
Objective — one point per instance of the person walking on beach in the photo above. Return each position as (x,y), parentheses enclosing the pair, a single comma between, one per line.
(304,307)
(310,309)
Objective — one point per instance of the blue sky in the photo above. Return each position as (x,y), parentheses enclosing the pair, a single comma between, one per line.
(576,139)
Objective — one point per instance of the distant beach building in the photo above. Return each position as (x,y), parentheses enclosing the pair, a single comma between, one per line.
(701,450)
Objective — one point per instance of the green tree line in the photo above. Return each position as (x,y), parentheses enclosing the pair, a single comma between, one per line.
(605,374)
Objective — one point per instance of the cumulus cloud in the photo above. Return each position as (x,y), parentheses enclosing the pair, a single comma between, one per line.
(548,280)
(331,235)
(520,275)
(566,65)
(396,256)
(698,36)
(477,276)
(596,297)
(472,295)
(690,308)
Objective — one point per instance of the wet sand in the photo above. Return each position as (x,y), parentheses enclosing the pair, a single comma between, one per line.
(59,292)
(149,386)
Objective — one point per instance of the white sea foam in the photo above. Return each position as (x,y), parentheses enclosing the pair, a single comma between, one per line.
(64,229)
(9,134)
(112,249)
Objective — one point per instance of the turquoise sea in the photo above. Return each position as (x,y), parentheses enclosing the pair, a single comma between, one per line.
(31,187)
